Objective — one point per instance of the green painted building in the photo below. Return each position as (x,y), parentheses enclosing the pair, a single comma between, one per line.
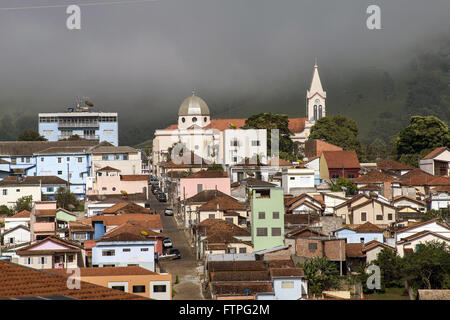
(267,217)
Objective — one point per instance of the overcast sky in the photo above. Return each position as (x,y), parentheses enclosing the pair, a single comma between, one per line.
(149,56)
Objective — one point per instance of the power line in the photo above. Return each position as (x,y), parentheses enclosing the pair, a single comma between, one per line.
(105,3)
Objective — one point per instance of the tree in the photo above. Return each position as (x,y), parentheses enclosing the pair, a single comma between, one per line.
(340,131)
(343,184)
(428,266)
(271,121)
(215,167)
(31,135)
(321,274)
(23,203)
(391,268)
(66,199)
(442,214)
(422,135)
(4,210)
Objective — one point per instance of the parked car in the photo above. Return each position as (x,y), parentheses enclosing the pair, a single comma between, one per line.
(167,243)
(162,197)
(168,212)
(176,252)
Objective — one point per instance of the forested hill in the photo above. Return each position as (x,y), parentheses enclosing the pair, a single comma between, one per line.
(379,100)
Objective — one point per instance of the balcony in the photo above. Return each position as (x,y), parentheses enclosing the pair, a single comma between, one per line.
(86,137)
(78,124)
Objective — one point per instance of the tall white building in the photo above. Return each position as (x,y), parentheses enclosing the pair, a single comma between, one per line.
(98,126)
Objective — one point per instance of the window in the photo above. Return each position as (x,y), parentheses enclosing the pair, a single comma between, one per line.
(125,156)
(11,240)
(159,288)
(351,176)
(5,192)
(13,161)
(70,258)
(28,160)
(121,288)
(229,220)
(68,159)
(108,253)
(361,240)
(276,215)
(42,159)
(80,159)
(379,217)
(42,260)
(17,190)
(59,159)
(320,111)
(103,188)
(315,112)
(138,289)
(194,119)
(261,215)
(211,216)
(242,250)
(390,216)
(50,189)
(255,143)
(205,119)
(291,178)
(22,159)
(113,188)
(363,216)
(334,176)
(59,172)
(104,157)
(29,260)
(276,232)
(81,175)
(234,143)
(116,157)
(126,250)
(312,246)
(261,232)
(144,249)
(287,284)
(183,120)
(199,187)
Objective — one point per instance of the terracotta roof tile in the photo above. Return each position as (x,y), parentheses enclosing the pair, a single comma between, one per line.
(281,264)
(153,220)
(19,282)
(373,244)
(368,228)
(374,176)
(210,226)
(436,152)
(22,214)
(222,203)
(354,250)
(106,271)
(240,276)
(286,272)
(205,196)
(126,208)
(134,177)
(315,148)
(341,159)
(208,174)
(389,164)
(132,231)
(108,168)
(216,266)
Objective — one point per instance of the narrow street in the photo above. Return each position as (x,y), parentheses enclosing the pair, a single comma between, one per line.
(189,286)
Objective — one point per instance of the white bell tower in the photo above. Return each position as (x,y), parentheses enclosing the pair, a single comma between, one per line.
(315,98)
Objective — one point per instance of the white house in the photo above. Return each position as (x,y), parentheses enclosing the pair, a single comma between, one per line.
(12,188)
(440,198)
(17,235)
(287,284)
(432,225)
(127,160)
(239,144)
(20,218)
(296,180)
(411,242)
(436,162)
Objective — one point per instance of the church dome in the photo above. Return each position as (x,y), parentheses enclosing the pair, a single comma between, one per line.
(193,105)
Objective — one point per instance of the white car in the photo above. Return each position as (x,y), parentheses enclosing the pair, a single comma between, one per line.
(167,243)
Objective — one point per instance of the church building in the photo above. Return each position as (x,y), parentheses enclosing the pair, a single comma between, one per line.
(221,140)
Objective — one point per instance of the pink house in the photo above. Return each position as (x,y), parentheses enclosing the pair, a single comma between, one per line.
(204,180)
(109,181)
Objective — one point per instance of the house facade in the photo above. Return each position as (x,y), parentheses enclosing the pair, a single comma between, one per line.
(204,180)
(267,218)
